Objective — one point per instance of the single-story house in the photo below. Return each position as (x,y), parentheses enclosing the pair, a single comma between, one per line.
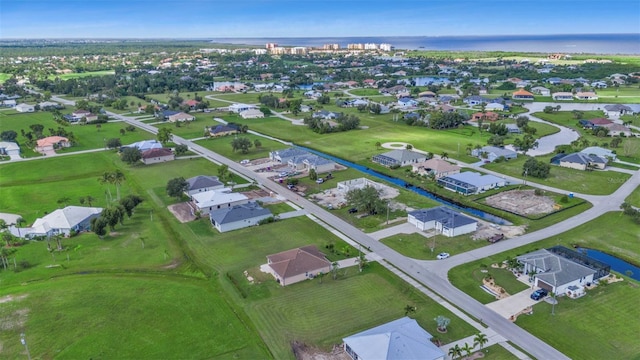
(399,157)
(618,129)
(61,222)
(181,117)
(213,200)
(238,108)
(191,103)
(153,156)
(144,145)
(485,116)
(617,109)
(407,102)
(325,115)
(51,143)
(202,183)
(238,216)
(470,182)
(586,95)
(541,90)
(599,85)
(448,222)
(594,123)
(292,266)
(283,156)
(9,103)
(601,152)
(561,270)
(252,114)
(165,114)
(223,130)
(23,108)
(562,96)
(580,161)
(47,105)
(513,128)
(427,94)
(400,339)
(436,167)
(9,148)
(522,94)
(475,100)
(492,153)
(494,107)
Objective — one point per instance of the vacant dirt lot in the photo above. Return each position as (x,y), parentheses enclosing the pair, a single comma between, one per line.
(337,200)
(522,202)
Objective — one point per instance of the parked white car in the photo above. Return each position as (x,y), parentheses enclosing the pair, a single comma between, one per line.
(442,255)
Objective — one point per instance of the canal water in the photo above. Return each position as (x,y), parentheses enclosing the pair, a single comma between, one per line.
(617,265)
(478,213)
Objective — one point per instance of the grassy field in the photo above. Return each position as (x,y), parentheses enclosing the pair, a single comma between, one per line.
(125,316)
(81,75)
(222,145)
(634,198)
(4,77)
(571,180)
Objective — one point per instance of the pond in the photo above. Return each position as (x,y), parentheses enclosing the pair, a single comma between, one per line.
(481,214)
(617,264)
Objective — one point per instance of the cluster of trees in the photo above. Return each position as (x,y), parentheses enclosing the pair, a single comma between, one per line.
(176,187)
(114,215)
(629,210)
(525,143)
(344,123)
(446,120)
(243,144)
(366,200)
(535,168)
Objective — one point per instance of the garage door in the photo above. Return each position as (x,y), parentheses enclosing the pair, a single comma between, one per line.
(544,285)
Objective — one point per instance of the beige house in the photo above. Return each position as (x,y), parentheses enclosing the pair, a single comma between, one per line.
(292,266)
(581,161)
(251,114)
(154,156)
(562,96)
(51,143)
(436,167)
(586,95)
(181,117)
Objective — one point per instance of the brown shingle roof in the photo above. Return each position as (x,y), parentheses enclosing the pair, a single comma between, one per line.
(151,153)
(297,261)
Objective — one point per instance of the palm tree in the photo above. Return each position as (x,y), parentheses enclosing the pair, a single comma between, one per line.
(467,349)
(107,178)
(455,351)
(480,339)
(444,155)
(452,352)
(409,309)
(64,200)
(117,178)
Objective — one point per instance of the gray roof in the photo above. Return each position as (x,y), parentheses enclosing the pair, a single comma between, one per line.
(203,181)
(235,213)
(317,160)
(476,179)
(499,151)
(404,155)
(398,339)
(290,152)
(617,107)
(585,159)
(557,270)
(444,215)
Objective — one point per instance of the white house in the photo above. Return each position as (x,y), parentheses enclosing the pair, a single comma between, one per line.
(212,200)
(401,339)
(9,148)
(470,182)
(444,220)
(561,270)
(251,114)
(541,90)
(493,152)
(25,108)
(238,108)
(562,96)
(62,222)
(238,216)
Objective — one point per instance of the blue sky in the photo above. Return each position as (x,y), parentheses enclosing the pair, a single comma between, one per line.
(307,18)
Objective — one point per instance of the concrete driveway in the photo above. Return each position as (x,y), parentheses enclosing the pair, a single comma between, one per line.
(513,304)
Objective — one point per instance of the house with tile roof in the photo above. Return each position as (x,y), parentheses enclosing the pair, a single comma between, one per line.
(51,143)
(522,94)
(435,167)
(238,216)
(292,266)
(154,156)
(586,95)
(443,220)
(400,339)
(181,117)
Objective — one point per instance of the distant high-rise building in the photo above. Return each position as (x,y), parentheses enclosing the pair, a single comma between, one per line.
(331,47)
(386,47)
(260,51)
(298,50)
(370,46)
(271,45)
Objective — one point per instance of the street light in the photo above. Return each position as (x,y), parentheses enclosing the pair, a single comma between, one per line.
(24,343)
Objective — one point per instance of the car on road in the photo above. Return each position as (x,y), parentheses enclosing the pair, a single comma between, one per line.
(353,211)
(244,162)
(442,255)
(539,294)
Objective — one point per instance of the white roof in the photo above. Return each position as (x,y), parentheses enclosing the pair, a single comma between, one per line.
(476,179)
(65,218)
(217,197)
(8,145)
(595,150)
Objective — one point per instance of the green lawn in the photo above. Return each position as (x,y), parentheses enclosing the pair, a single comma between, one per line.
(4,77)
(364,92)
(81,75)
(634,197)
(125,317)
(578,322)
(222,146)
(248,98)
(571,180)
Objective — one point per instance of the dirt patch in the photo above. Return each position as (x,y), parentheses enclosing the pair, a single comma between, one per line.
(337,198)
(498,290)
(486,230)
(182,212)
(304,352)
(15,320)
(9,298)
(256,194)
(522,202)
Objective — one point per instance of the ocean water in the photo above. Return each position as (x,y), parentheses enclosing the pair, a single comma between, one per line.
(582,43)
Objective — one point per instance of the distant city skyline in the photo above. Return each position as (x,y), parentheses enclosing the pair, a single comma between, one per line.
(328,18)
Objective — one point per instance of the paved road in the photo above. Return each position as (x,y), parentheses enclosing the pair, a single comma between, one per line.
(420,271)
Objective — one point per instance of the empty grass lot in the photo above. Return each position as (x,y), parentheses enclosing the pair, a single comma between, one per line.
(82,74)
(634,197)
(578,322)
(222,146)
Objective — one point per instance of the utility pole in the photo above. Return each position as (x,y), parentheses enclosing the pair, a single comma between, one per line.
(388,201)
